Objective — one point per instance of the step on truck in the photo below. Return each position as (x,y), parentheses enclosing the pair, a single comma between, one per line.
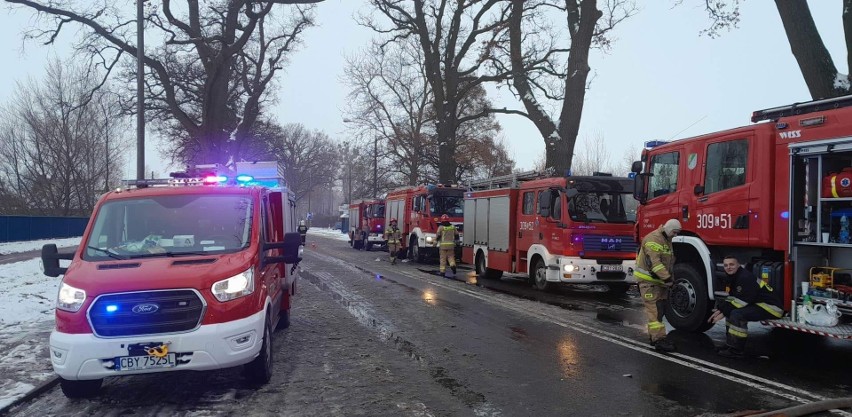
(418,210)
(367,224)
(775,193)
(558,230)
(193,272)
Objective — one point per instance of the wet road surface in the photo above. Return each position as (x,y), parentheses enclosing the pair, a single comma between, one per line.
(369,338)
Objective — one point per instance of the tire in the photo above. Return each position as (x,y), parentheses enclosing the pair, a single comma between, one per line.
(483,271)
(539,276)
(283,320)
(416,253)
(368,246)
(80,389)
(259,371)
(618,288)
(689,306)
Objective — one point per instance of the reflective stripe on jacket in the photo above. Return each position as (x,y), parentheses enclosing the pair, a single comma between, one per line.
(656,258)
(447,236)
(392,235)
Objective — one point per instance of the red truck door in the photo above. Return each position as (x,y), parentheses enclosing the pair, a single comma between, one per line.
(722,208)
(664,186)
(527,217)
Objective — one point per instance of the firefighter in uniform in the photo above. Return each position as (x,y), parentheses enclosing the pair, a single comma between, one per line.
(750,299)
(447,234)
(303,230)
(654,271)
(393,236)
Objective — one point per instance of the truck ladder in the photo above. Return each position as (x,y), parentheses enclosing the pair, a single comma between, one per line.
(776,113)
(506,181)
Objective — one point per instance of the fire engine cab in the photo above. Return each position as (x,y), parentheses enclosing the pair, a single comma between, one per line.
(193,272)
(574,230)
(775,194)
(418,210)
(366,224)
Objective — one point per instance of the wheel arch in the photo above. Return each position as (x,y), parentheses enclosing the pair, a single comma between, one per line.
(692,250)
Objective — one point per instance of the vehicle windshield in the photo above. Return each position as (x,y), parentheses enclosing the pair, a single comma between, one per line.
(450,205)
(170,226)
(603,207)
(378,211)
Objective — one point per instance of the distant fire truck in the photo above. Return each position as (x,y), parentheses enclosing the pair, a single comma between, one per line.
(189,273)
(778,195)
(366,224)
(418,210)
(556,229)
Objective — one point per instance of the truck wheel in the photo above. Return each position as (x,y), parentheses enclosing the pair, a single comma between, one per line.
(259,371)
(80,389)
(416,253)
(483,271)
(283,320)
(539,276)
(368,246)
(689,306)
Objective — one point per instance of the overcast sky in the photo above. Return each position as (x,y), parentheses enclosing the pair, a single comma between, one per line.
(661,80)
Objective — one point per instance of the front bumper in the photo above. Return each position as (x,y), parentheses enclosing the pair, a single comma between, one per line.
(590,271)
(212,346)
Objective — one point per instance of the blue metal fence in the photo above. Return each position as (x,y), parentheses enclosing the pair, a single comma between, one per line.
(15,228)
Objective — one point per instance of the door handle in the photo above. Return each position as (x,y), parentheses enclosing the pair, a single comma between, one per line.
(684,213)
(540,236)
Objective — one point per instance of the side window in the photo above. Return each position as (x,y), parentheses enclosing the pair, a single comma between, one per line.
(540,196)
(664,169)
(556,207)
(529,202)
(726,165)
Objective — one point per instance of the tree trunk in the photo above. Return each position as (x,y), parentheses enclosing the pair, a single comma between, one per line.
(815,62)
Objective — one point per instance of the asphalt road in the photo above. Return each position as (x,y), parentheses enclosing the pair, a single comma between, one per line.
(369,338)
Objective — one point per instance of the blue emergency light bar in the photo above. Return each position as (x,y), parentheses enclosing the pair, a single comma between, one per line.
(654,143)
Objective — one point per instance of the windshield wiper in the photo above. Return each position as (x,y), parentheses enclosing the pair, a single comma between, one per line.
(107,252)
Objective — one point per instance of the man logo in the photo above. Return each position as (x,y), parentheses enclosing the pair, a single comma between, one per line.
(147,308)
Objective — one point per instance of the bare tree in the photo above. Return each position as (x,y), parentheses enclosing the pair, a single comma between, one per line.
(309,157)
(454,37)
(544,70)
(210,75)
(592,156)
(62,143)
(818,68)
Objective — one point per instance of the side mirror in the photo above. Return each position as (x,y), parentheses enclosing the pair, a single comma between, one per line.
(50,257)
(571,192)
(292,248)
(698,190)
(636,167)
(639,185)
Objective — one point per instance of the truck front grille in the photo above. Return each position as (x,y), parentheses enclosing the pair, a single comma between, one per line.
(146,313)
(609,243)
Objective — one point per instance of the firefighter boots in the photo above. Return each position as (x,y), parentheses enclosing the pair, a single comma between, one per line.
(664,345)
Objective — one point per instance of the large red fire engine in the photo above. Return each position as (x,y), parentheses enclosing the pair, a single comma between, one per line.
(776,194)
(366,224)
(193,272)
(557,229)
(418,210)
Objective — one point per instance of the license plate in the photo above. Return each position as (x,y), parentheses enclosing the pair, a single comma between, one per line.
(611,268)
(134,363)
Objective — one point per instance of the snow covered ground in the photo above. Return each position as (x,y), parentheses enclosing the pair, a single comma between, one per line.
(28,298)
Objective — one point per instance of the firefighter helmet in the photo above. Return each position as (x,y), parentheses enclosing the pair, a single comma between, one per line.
(445,218)
(393,220)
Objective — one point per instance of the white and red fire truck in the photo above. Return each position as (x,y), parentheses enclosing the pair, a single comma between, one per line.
(193,272)
(776,194)
(367,224)
(574,230)
(418,210)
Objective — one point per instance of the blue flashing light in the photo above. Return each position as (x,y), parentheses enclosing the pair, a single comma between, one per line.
(244,178)
(111,308)
(654,143)
(785,215)
(631,175)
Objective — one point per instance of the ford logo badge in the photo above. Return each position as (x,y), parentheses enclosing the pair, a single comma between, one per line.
(146,308)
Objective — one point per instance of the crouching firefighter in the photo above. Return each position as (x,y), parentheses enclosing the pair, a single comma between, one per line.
(392,236)
(749,299)
(654,270)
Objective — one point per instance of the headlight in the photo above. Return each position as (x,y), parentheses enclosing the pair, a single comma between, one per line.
(429,239)
(234,287)
(570,268)
(70,298)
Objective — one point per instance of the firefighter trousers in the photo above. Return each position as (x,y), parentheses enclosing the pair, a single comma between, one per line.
(737,324)
(656,299)
(447,255)
(392,249)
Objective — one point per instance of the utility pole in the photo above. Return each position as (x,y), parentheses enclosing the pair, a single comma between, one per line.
(140,90)
(376,167)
